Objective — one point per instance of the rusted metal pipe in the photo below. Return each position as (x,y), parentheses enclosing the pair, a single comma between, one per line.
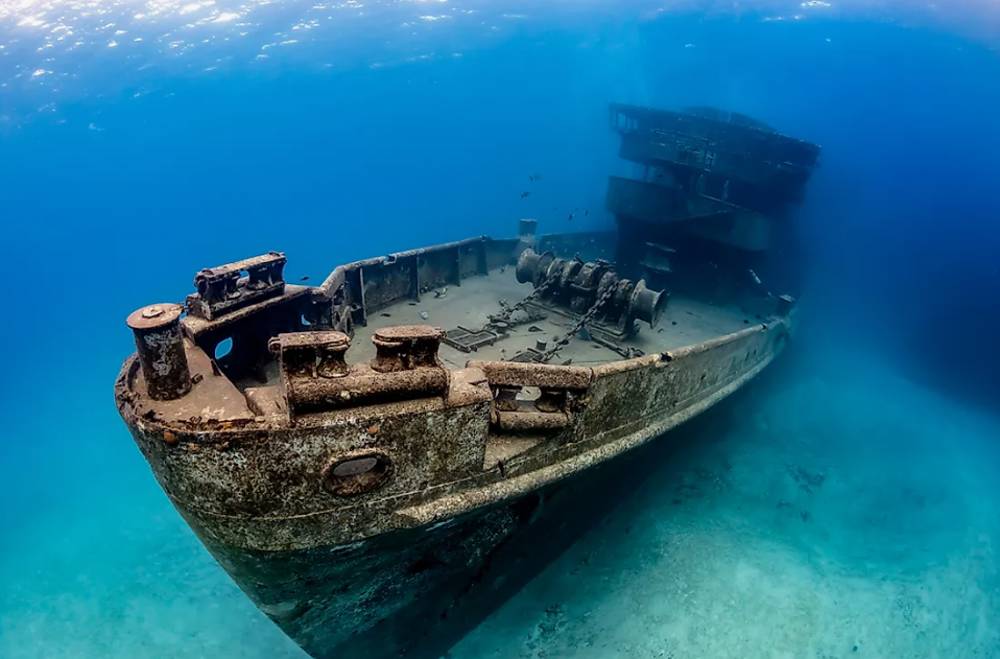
(360,387)
(522,421)
(160,346)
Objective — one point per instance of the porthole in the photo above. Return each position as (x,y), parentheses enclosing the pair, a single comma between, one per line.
(357,474)
(223,348)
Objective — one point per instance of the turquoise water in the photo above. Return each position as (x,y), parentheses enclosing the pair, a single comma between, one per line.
(844,505)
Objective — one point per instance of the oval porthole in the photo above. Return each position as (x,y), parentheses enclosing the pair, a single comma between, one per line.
(223,348)
(357,474)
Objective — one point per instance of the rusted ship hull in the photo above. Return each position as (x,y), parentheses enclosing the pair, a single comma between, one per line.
(376,459)
(409,593)
(415,593)
(378,577)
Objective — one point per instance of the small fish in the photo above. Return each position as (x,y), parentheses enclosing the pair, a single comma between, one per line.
(534,177)
(304,278)
(524,194)
(570,218)
(586,212)
(756,279)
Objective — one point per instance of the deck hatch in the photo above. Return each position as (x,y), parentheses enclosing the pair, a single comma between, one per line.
(469,340)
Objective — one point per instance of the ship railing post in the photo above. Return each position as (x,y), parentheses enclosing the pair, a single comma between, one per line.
(526,235)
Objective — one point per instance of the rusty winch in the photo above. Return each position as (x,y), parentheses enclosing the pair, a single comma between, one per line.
(575,285)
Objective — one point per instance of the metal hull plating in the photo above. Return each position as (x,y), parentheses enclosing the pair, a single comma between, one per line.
(373,489)
(384,577)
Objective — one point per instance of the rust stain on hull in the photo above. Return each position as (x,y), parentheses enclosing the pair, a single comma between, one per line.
(254,480)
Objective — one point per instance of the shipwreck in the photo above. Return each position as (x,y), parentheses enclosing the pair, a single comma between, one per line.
(362,456)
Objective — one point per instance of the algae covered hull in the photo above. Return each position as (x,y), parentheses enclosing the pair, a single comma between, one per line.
(347,500)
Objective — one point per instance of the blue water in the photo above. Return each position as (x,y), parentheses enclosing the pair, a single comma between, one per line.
(141,141)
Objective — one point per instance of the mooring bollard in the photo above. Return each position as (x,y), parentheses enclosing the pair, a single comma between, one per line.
(160,345)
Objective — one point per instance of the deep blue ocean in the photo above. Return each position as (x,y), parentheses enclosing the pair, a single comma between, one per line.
(143,140)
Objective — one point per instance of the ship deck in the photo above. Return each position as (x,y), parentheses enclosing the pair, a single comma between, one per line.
(686,321)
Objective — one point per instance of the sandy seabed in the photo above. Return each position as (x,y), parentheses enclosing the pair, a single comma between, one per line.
(830,511)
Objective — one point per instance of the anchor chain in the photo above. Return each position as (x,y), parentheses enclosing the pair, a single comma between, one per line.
(501,321)
(585,319)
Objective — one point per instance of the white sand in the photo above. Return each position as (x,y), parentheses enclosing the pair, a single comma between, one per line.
(851,516)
